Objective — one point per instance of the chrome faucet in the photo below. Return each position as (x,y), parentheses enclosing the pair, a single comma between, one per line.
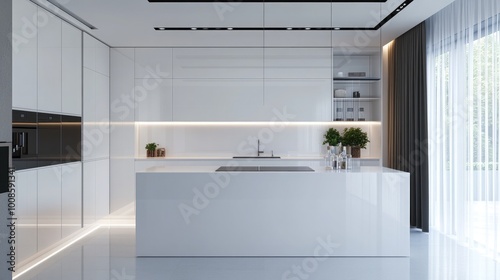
(258,148)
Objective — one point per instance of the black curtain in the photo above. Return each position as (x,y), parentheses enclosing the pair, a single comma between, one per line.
(407,123)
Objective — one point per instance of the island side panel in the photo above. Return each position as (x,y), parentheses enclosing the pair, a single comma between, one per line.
(262,214)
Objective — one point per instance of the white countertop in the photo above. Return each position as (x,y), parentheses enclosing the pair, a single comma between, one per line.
(211,169)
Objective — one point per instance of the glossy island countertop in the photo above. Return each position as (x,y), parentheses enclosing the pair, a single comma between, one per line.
(212,169)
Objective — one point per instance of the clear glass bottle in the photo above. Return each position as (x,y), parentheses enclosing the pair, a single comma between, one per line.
(348,162)
(335,161)
(343,160)
(361,114)
(328,159)
(350,114)
(339,116)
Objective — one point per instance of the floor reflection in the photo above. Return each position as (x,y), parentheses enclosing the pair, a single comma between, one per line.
(109,253)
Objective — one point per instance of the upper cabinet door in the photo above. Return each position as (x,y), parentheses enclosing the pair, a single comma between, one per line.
(230,63)
(298,63)
(153,99)
(293,100)
(89,51)
(49,62)
(95,55)
(24,55)
(102,58)
(153,63)
(217,99)
(71,70)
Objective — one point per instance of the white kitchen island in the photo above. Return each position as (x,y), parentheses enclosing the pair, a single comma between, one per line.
(196,211)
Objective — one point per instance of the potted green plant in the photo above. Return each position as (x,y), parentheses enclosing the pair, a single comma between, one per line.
(356,138)
(332,138)
(150,149)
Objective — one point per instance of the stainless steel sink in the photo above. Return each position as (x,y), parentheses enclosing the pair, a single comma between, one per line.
(257,157)
(265,169)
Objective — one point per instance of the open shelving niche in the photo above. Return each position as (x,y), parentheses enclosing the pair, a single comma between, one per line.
(368,61)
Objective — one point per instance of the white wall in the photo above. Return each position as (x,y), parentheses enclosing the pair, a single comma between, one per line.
(223,140)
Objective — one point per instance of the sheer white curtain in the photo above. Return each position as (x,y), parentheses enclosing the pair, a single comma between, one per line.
(464,122)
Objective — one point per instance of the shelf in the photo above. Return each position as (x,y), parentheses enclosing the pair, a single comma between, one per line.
(356,79)
(340,99)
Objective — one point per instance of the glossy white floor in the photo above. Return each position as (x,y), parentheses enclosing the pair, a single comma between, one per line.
(109,253)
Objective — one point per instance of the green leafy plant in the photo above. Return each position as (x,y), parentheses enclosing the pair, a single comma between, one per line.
(355,137)
(151,146)
(332,137)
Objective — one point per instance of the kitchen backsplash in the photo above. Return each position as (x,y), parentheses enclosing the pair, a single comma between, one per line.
(224,139)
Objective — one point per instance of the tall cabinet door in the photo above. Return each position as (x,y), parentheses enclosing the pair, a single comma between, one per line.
(89,194)
(102,188)
(71,193)
(26,235)
(24,55)
(49,63)
(71,70)
(49,206)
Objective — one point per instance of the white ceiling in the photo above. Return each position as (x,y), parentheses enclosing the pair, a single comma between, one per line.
(129,23)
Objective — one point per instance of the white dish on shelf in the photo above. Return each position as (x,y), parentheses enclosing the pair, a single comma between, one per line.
(340,93)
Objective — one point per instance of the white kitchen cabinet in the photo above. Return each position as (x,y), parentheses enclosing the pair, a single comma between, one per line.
(89,193)
(24,55)
(302,100)
(206,63)
(102,58)
(101,104)
(89,51)
(95,55)
(153,100)
(91,135)
(102,188)
(49,206)
(49,63)
(122,115)
(27,213)
(218,100)
(95,191)
(122,182)
(298,63)
(95,115)
(71,70)
(153,63)
(71,193)
(121,85)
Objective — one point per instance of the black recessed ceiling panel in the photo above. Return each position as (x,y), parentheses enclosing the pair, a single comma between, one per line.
(208,28)
(270,1)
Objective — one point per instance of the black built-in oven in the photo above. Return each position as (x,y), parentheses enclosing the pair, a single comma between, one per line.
(24,139)
(49,139)
(42,139)
(71,139)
